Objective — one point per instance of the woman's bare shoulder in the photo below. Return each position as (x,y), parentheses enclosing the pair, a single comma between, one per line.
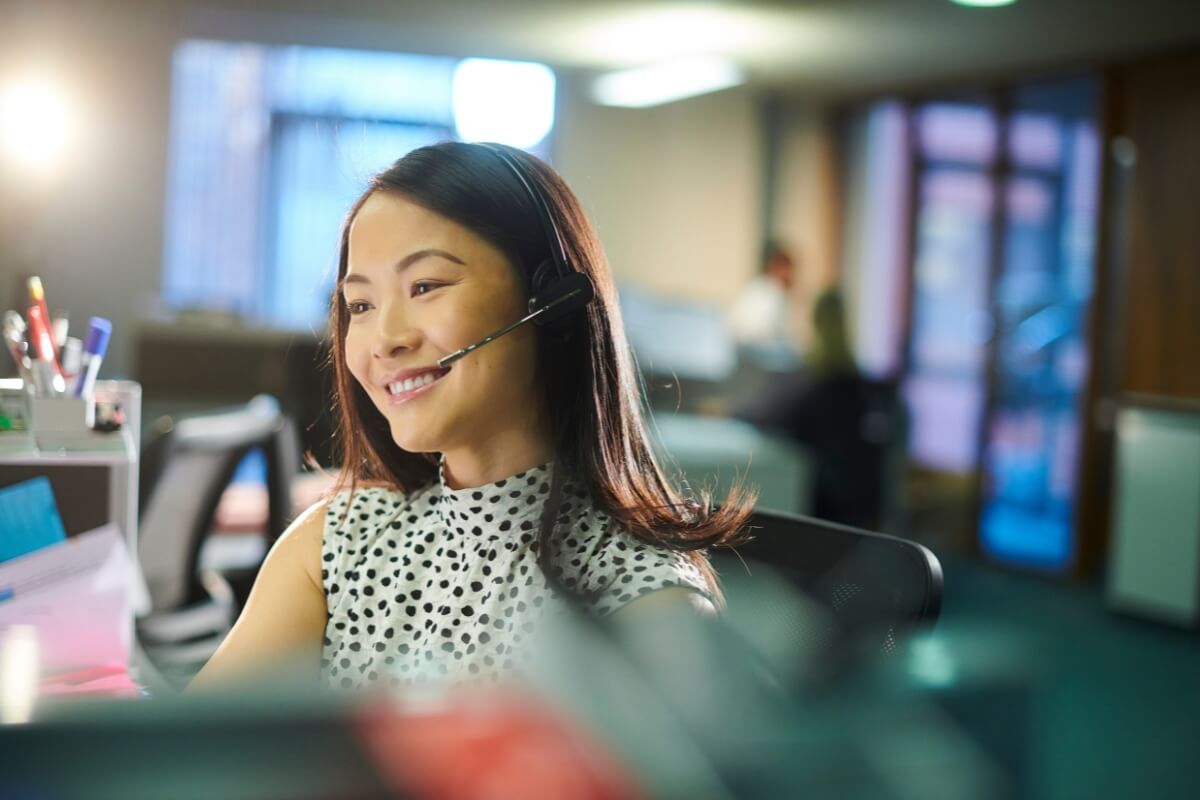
(300,544)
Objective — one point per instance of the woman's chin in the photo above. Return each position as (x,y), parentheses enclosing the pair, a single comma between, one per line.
(406,441)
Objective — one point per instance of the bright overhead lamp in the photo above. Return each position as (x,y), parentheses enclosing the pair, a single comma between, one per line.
(983,3)
(510,102)
(35,124)
(665,82)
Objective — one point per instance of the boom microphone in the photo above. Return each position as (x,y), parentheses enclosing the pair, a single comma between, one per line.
(564,296)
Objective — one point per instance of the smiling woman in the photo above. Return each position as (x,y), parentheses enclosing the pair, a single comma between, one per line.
(477,497)
(448,288)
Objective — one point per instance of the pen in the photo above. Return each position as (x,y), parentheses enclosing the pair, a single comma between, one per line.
(14,339)
(46,367)
(72,360)
(38,294)
(99,331)
(58,330)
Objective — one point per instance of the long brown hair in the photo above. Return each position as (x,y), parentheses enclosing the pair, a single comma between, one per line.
(592,391)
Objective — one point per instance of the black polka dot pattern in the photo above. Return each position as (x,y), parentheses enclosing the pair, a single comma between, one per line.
(444,584)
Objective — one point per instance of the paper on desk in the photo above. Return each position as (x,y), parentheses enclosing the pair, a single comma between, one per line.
(77,597)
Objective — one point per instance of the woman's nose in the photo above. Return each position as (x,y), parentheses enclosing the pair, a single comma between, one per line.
(395,333)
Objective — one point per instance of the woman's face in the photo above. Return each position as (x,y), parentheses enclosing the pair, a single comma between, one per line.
(418,287)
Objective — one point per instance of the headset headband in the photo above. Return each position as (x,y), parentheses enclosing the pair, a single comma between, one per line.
(552,300)
(558,252)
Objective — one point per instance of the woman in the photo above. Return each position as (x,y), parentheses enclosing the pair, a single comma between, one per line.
(479,495)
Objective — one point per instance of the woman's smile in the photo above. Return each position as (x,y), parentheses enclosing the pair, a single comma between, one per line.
(407,385)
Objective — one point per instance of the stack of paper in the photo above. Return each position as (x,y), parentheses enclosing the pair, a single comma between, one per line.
(76,597)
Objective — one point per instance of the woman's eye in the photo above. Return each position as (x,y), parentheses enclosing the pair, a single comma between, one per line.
(424,287)
(356,307)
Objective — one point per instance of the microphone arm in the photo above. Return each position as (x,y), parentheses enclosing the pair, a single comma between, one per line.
(457,354)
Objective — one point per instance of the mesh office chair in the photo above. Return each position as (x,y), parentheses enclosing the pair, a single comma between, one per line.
(197,457)
(875,590)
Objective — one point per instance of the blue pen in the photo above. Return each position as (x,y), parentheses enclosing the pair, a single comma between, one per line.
(6,593)
(99,331)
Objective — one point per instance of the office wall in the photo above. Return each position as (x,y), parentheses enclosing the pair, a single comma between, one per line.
(1159,111)
(95,234)
(674,190)
(806,207)
(1146,335)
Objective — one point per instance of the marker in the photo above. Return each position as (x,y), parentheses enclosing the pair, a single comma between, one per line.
(99,331)
(38,294)
(45,369)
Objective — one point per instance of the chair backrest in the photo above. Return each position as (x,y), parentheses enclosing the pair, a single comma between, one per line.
(199,456)
(878,590)
(855,426)
(283,463)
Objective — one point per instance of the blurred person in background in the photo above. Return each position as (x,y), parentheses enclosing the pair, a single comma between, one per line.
(476,497)
(846,421)
(760,318)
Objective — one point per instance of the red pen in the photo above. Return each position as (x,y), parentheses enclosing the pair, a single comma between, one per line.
(38,294)
(43,345)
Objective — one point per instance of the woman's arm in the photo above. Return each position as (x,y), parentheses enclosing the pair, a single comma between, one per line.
(664,600)
(283,622)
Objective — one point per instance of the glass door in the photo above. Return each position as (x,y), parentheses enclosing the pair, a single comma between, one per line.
(1031,445)
(1005,192)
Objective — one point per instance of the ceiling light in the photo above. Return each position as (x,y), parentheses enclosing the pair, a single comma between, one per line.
(665,82)
(638,35)
(35,124)
(510,102)
(983,3)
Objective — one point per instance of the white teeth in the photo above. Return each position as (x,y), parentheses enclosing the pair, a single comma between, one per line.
(408,384)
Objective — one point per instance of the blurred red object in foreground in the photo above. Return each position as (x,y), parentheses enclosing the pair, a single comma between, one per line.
(476,745)
(104,681)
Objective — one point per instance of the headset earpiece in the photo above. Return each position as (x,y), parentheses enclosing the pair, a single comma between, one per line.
(543,277)
(562,298)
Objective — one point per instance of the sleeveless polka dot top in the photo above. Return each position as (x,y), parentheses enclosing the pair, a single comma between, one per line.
(444,584)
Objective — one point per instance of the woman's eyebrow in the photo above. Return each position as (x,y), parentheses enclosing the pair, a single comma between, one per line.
(406,262)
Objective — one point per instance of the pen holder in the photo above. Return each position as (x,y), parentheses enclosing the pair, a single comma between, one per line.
(61,421)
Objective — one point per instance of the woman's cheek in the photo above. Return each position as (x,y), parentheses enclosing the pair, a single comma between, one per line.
(356,358)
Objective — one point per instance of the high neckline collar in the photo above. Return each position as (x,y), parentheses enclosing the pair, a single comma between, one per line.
(514,499)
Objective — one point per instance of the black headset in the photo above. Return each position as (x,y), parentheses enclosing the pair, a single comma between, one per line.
(555,289)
